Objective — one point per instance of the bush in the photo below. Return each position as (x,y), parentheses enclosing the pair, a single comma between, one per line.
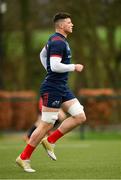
(5,110)
(99,106)
(18,110)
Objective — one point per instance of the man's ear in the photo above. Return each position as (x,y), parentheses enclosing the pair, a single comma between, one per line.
(61,25)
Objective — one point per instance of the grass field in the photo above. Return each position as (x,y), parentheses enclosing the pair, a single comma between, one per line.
(77,159)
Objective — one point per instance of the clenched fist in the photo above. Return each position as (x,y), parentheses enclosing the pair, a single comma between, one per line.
(78,67)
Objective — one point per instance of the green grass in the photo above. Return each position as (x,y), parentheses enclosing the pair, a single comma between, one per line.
(101,135)
(87,159)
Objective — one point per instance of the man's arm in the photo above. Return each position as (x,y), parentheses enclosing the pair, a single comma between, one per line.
(56,54)
(43,57)
(57,66)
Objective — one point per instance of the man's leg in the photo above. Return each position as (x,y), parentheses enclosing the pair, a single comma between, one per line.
(76,111)
(31,130)
(61,117)
(48,119)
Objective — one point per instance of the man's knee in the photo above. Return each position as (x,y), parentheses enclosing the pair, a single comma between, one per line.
(77,111)
(80,118)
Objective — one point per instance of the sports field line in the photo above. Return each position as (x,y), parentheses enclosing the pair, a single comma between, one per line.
(11,146)
(74,145)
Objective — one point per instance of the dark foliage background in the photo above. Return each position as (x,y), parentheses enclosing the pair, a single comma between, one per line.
(95,42)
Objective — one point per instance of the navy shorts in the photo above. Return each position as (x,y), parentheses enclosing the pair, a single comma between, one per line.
(53,96)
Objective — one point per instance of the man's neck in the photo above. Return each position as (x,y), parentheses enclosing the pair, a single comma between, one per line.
(61,32)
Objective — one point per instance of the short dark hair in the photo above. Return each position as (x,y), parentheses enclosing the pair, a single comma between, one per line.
(61,15)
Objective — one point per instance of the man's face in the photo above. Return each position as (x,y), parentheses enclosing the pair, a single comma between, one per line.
(67,25)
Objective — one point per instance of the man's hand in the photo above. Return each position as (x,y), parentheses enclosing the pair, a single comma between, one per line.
(78,67)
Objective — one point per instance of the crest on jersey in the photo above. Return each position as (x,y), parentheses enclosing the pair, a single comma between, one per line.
(55,103)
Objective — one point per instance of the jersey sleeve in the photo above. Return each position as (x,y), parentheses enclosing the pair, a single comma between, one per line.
(57,48)
(43,57)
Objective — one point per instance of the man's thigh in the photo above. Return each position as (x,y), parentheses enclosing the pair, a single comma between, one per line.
(73,107)
(51,100)
(48,109)
(51,105)
(67,104)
